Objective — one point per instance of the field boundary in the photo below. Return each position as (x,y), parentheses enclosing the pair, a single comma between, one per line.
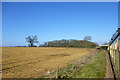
(78,63)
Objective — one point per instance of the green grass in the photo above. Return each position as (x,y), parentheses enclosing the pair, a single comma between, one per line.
(96,68)
(66,72)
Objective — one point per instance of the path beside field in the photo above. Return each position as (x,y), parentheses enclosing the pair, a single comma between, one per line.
(109,73)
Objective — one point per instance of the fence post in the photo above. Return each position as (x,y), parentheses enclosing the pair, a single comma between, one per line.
(57,72)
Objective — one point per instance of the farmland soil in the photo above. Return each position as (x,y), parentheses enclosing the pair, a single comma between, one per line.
(26,62)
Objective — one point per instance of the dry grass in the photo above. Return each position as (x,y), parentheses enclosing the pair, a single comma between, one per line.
(26,62)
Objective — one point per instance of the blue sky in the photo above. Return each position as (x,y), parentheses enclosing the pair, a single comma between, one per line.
(58,20)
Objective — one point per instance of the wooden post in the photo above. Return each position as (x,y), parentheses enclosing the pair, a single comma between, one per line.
(57,72)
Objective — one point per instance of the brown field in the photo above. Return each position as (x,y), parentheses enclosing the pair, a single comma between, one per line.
(26,62)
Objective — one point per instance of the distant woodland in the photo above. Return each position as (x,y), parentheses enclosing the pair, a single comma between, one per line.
(69,43)
(85,43)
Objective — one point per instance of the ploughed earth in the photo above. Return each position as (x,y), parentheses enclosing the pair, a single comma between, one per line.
(33,62)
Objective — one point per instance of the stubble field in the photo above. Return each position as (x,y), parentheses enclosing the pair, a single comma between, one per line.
(26,62)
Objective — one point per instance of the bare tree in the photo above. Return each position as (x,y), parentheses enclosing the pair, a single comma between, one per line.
(87,38)
(31,40)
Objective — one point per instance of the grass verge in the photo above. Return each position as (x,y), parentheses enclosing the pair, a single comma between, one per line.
(94,68)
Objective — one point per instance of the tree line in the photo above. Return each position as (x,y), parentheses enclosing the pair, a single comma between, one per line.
(63,43)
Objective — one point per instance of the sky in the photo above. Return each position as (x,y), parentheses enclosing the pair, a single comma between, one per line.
(58,20)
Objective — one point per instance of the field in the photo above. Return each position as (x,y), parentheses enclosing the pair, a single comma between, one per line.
(26,62)
(95,67)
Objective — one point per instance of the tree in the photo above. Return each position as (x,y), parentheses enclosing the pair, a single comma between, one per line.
(87,38)
(31,40)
